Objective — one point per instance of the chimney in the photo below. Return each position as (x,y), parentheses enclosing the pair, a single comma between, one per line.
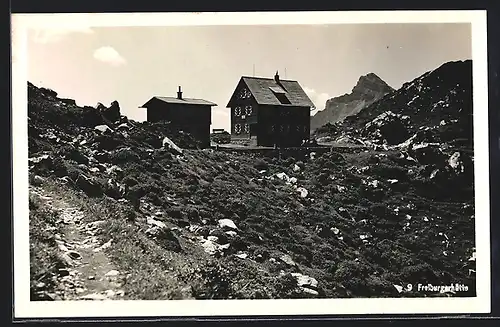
(277,77)
(179,93)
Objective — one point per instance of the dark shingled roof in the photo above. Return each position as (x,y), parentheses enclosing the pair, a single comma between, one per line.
(261,89)
(180,101)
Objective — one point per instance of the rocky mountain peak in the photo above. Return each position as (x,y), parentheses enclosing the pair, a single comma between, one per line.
(370,83)
(368,89)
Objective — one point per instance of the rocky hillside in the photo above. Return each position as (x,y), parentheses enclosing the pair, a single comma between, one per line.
(367,90)
(164,222)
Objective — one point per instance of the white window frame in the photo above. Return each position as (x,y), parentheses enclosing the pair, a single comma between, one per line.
(248,110)
(237,128)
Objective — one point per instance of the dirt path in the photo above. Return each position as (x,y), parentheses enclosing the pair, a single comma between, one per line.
(90,274)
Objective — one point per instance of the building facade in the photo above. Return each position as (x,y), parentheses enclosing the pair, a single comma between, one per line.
(269,112)
(190,115)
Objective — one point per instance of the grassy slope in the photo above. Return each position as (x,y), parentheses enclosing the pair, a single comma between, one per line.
(44,258)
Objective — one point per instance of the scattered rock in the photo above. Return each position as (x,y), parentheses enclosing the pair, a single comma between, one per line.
(241,255)
(120,293)
(303,192)
(305,281)
(283,177)
(288,260)
(38,180)
(227,224)
(211,246)
(115,171)
(456,163)
(427,153)
(168,143)
(112,273)
(231,233)
(104,129)
(74,255)
(340,188)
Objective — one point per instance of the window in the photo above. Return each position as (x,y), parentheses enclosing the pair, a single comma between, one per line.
(237,111)
(248,110)
(280,94)
(247,129)
(286,128)
(244,94)
(282,98)
(273,128)
(298,128)
(237,128)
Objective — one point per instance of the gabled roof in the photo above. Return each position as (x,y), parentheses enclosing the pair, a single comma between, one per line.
(179,101)
(267,91)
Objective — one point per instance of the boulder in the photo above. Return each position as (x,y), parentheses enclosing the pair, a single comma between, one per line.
(168,143)
(305,281)
(77,156)
(115,171)
(87,185)
(44,160)
(227,224)
(427,153)
(303,192)
(114,189)
(283,177)
(212,247)
(387,127)
(112,113)
(104,129)
(288,260)
(153,222)
(456,163)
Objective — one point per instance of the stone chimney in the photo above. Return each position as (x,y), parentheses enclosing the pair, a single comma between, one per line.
(277,77)
(179,93)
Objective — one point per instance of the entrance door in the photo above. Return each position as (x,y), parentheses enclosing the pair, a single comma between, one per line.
(253,130)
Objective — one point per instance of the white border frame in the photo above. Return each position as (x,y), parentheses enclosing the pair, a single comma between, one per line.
(23,308)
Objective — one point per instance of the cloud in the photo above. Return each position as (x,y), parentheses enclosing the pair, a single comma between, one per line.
(319,99)
(110,56)
(51,35)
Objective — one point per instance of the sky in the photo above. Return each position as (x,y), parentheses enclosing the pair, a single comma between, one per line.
(133,64)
